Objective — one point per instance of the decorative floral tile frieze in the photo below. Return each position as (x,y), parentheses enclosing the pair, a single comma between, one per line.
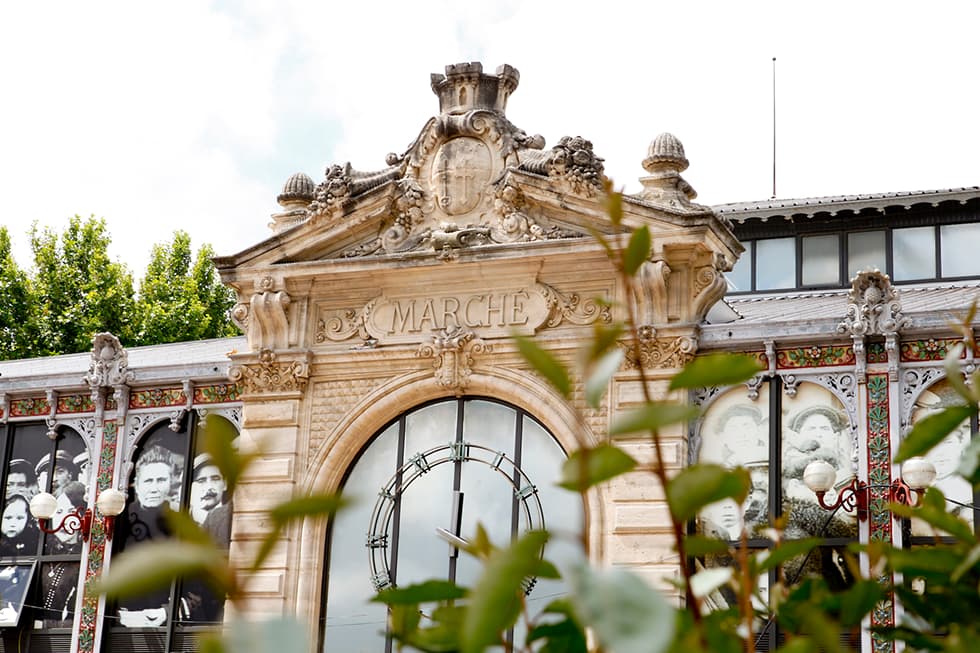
(815,356)
(217,393)
(879,478)
(927,350)
(96,555)
(76,404)
(157,398)
(30,407)
(877,353)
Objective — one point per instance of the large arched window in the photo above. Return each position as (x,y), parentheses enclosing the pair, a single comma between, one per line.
(446,465)
(170,471)
(39,573)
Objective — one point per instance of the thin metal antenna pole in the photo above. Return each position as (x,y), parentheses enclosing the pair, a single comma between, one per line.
(774,127)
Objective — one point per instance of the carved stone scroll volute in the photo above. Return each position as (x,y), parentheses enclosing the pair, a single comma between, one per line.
(266,317)
(452,351)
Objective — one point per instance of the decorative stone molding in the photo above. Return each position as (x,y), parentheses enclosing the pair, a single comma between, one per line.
(400,318)
(272,373)
(232,414)
(664,352)
(873,307)
(914,382)
(266,317)
(452,351)
(109,364)
(573,164)
(331,193)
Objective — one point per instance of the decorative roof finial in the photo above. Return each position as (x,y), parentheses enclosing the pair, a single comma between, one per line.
(296,195)
(465,87)
(665,162)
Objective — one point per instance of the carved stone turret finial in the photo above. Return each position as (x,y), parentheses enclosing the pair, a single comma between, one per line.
(465,87)
(665,162)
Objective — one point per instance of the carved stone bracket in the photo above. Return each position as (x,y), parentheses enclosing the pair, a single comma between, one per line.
(52,396)
(272,373)
(267,320)
(452,351)
(665,352)
(710,285)
(651,292)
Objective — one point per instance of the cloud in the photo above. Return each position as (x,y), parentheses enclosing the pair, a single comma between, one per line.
(191,115)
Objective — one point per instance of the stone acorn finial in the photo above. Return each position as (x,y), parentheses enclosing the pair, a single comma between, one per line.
(665,162)
(298,190)
(296,195)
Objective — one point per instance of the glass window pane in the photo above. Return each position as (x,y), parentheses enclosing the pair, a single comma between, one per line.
(914,253)
(735,432)
(815,427)
(865,251)
(821,260)
(959,249)
(946,455)
(740,278)
(775,263)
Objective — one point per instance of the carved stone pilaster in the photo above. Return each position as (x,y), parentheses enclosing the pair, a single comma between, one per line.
(452,351)
(272,373)
(52,396)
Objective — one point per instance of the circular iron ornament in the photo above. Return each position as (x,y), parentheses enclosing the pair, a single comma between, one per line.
(378,539)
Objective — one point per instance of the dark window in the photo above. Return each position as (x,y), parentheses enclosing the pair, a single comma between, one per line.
(42,609)
(171,472)
(775,437)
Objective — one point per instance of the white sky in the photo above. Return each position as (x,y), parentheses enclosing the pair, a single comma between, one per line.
(191,114)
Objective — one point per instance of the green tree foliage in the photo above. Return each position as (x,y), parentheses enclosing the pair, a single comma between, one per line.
(76,290)
(15,304)
(179,301)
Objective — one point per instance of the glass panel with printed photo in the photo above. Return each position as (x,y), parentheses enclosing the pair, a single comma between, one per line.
(725,598)
(815,427)
(735,432)
(946,455)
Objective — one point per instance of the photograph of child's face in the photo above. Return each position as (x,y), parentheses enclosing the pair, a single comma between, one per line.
(14,519)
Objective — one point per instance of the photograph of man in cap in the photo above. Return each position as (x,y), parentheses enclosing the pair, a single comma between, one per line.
(65,472)
(208,502)
(210,508)
(21,479)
